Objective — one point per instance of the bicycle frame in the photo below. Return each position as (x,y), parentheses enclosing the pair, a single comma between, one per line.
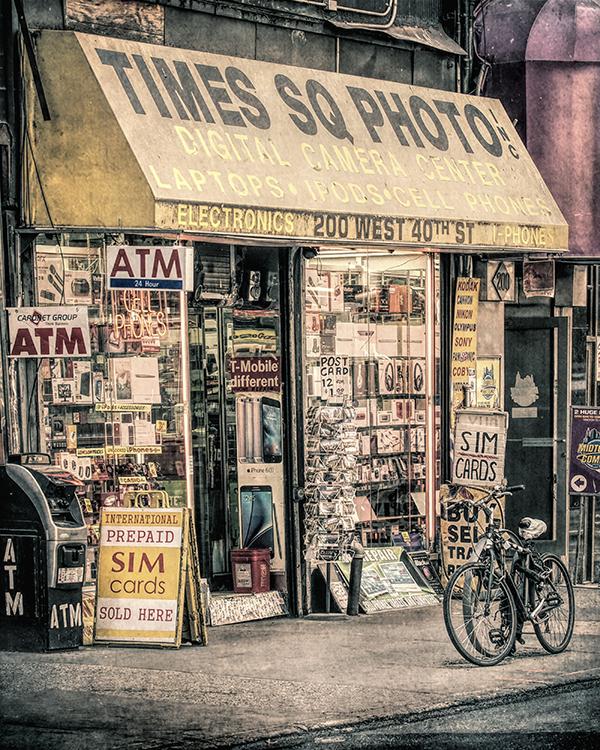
(524,563)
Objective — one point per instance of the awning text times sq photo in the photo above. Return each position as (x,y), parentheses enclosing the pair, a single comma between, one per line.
(231,147)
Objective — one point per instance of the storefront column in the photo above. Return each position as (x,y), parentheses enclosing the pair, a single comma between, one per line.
(187,400)
(430,378)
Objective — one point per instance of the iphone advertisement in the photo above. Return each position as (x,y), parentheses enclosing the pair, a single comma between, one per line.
(259,440)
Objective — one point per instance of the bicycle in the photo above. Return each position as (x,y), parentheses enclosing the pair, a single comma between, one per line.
(488,600)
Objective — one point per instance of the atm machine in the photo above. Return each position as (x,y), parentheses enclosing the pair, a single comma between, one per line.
(42,553)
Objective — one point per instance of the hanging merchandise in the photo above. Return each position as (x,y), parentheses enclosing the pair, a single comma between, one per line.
(331,476)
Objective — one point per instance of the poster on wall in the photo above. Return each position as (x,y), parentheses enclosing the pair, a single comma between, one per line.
(389,581)
(256,382)
(584,465)
(66,275)
(489,385)
(538,278)
(464,338)
(135,380)
(479,447)
(140,575)
(49,332)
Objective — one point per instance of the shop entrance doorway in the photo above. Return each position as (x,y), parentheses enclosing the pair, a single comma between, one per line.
(237,425)
(536,400)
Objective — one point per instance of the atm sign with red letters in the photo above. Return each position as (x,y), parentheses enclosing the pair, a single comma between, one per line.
(48,332)
(163,268)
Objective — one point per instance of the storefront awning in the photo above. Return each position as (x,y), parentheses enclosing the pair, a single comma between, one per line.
(150,137)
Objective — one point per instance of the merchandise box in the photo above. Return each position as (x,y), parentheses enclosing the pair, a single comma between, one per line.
(387,339)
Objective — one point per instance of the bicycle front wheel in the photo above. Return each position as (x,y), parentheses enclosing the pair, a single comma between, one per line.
(555,629)
(480,618)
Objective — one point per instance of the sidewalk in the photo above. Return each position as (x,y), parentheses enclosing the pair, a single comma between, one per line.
(267,678)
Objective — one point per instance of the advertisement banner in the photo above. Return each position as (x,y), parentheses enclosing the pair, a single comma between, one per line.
(389,581)
(584,468)
(161,268)
(255,374)
(140,592)
(479,447)
(48,332)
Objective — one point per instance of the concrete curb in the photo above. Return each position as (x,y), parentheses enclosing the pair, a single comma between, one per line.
(286,739)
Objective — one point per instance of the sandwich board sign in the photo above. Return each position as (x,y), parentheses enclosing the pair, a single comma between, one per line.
(161,268)
(479,447)
(141,575)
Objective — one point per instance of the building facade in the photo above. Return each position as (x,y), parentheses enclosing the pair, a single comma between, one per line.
(318,170)
(540,59)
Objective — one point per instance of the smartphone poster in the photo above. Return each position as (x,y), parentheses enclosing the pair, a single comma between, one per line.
(257,517)
(259,438)
(271,430)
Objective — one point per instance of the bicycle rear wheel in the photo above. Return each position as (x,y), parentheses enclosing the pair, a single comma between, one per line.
(556,629)
(481,620)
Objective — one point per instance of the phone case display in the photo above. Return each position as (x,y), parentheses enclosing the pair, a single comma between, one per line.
(365,347)
(332,447)
(115,418)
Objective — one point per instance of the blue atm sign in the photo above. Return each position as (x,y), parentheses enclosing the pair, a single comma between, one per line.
(160,268)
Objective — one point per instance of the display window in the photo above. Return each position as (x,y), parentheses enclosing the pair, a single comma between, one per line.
(237,406)
(111,390)
(370,332)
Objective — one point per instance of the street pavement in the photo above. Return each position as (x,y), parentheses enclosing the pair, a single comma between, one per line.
(280,679)
(557,717)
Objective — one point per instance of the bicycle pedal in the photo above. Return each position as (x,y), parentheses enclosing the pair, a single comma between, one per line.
(553,600)
(520,639)
(496,637)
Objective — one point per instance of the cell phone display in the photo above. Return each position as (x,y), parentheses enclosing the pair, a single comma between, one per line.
(271,430)
(257,517)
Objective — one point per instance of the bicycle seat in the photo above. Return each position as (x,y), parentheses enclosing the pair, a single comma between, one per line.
(531,528)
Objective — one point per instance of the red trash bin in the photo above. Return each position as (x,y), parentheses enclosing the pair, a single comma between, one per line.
(251,570)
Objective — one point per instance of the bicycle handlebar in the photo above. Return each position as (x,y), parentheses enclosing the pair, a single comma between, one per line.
(495,494)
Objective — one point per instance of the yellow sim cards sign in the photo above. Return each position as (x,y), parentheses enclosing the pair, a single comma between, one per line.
(141,575)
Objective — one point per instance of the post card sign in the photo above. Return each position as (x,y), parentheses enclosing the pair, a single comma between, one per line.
(479,447)
(140,591)
(161,268)
(49,332)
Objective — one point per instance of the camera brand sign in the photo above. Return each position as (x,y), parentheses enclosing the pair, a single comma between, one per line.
(162,268)
(479,447)
(48,332)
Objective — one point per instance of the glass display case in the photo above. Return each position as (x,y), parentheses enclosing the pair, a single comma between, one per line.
(366,350)
(114,417)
